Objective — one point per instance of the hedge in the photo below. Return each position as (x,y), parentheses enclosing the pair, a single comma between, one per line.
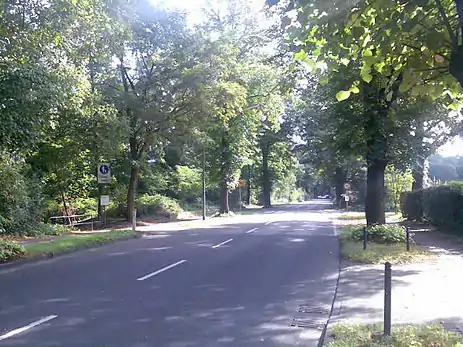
(440,206)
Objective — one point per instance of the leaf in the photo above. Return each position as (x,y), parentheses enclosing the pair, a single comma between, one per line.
(454,106)
(345,61)
(323,80)
(301,55)
(354,89)
(343,95)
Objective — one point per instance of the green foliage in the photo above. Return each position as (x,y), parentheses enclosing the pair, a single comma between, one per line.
(157,205)
(441,206)
(403,336)
(10,250)
(396,183)
(411,205)
(189,183)
(386,233)
(20,202)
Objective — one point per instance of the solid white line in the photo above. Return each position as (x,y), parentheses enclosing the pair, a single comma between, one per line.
(161,270)
(251,231)
(222,243)
(268,223)
(27,327)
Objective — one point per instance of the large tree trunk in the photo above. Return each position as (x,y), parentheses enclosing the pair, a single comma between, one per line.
(225,174)
(374,202)
(456,67)
(418,166)
(248,187)
(131,193)
(340,178)
(266,182)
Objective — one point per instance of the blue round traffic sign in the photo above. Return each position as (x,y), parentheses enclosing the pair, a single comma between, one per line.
(104,169)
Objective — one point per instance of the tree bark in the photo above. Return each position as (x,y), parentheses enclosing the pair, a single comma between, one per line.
(340,177)
(266,182)
(248,187)
(225,174)
(418,166)
(374,202)
(131,193)
(455,67)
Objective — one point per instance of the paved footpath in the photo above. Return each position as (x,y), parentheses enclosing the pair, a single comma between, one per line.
(423,293)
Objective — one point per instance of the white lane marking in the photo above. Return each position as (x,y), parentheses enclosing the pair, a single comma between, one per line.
(161,270)
(251,231)
(27,327)
(268,223)
(222,243)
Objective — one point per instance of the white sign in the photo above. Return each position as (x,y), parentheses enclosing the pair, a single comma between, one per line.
(104,174)
(346,198)
(104,200)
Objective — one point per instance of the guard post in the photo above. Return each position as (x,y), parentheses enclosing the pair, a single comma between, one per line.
(387,298)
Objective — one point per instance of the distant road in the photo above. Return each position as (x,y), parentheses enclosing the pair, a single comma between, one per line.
(266,282)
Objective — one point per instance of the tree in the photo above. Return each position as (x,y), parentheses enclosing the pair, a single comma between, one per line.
(154,89)
(418,39)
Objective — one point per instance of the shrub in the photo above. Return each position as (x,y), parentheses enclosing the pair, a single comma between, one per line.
(10,250)
(443,206)
(385,233)
(157,205)
(85,206)
(411,205)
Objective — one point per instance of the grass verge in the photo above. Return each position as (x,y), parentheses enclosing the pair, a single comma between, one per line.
(359,216)
(72,243)
(402,336)
(379,253)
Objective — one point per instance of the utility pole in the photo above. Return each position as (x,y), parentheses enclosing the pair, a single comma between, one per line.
(204,183)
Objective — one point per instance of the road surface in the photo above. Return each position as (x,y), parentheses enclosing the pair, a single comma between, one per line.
(267,280)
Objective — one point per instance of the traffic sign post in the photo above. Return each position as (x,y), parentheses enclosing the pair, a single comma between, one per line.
(104,174)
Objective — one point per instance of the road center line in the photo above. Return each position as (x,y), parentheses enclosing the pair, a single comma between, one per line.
(222,243)
(27,327)
(251,231)
(161,270)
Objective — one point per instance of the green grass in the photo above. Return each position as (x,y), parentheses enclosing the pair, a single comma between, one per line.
(75,242)
(361,215)
(402,336)
(379,253)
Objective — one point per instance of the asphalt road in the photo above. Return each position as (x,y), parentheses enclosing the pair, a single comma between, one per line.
(268,280)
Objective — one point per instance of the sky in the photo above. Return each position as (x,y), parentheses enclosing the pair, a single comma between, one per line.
(193,7)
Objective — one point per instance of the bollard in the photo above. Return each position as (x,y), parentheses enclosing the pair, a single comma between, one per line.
(134,219)
(387,298)
(365,238)
(407,232)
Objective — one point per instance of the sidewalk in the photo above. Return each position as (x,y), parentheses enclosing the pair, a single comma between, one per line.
(423,293)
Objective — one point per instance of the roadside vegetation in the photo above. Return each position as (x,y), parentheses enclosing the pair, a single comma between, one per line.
(10,250)
(253,125)
(401,336)
(386,243)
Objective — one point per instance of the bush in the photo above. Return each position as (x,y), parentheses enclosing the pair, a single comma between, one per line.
(411,205)
(443,206)
(157,205)
(85,206)
(385,233)
(10,250)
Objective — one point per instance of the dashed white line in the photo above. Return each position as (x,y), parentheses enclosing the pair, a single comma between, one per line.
(161,270)
(251,231)
(27,327)
(268,223)
(222,243)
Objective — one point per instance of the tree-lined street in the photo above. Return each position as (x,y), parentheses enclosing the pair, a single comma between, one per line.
(203,290)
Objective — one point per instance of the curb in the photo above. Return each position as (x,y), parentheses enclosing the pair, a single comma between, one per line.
(336,305)
(14,264)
